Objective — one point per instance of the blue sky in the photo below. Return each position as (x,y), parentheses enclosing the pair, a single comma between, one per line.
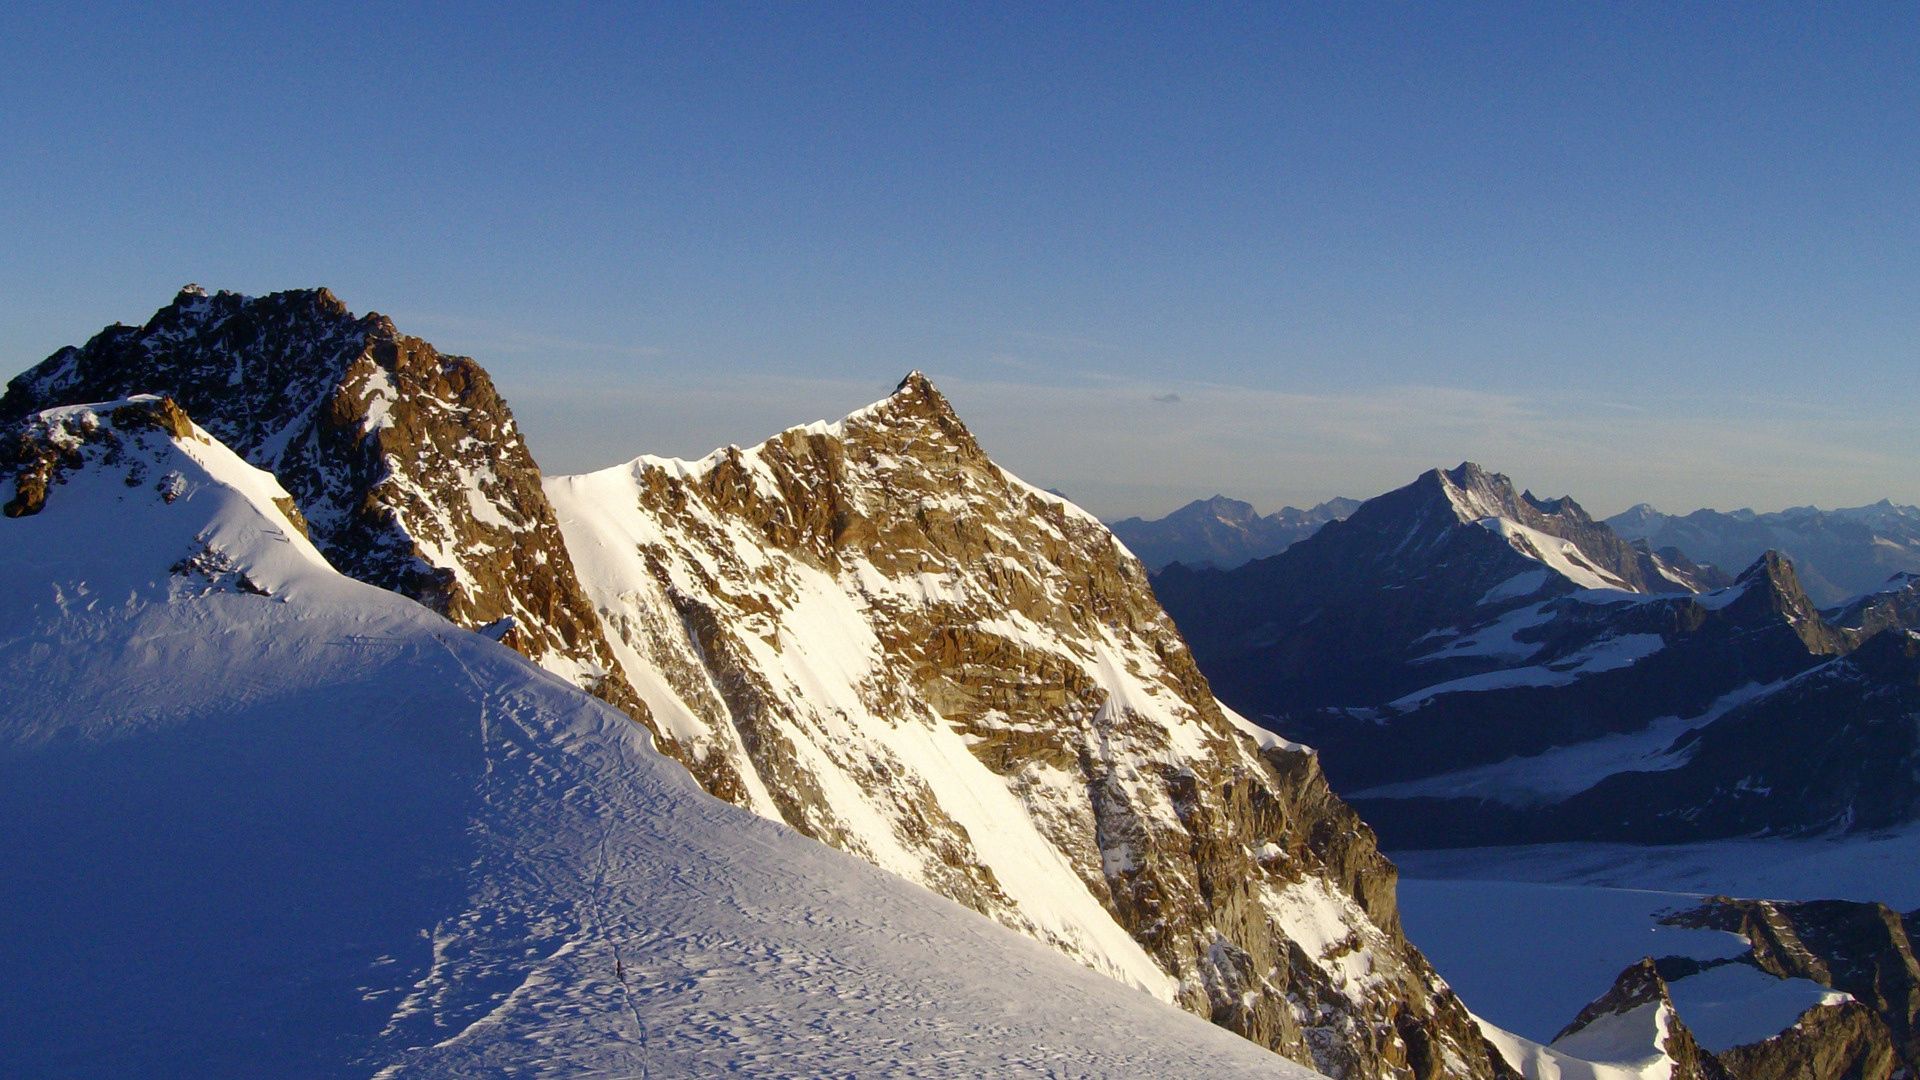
(1151,252)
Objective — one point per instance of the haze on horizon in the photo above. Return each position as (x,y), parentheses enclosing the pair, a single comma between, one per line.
(1662,255)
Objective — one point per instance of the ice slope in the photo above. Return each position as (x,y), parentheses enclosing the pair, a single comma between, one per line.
(266,820)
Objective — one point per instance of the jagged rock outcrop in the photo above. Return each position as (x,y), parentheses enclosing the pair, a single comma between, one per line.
(870,631)
(1635,1023)
(405,462)
(1222,532)
(1896,604)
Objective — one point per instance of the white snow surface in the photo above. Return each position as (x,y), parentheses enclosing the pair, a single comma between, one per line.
(1635,1039)
(322,832)
(1561,556)
(1540,1062)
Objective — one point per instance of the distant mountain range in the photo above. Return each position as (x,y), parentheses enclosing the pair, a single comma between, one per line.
(1222,532)
(1838,553)
(1478,666)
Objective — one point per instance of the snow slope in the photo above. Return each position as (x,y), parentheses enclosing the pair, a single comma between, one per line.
(263,819)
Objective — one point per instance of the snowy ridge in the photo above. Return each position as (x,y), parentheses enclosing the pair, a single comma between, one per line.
(367,842)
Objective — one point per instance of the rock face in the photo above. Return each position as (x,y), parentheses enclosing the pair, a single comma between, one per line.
(1844,1041)
(1222,532)
(1866,1028)
(1864,950)
(406,463)
(1839,552)
(869,631)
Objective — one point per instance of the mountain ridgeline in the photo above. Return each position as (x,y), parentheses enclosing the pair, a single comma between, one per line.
(1839,553)
(865,630)
(1223,533)
(265,820)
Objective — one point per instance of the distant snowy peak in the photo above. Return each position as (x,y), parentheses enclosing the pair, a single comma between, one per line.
(1556,533)
(870,631)
(406,462)
(1223,532)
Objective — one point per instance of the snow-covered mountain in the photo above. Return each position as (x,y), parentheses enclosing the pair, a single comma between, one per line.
(868,630)
(263,819)
(1839,553)
(1464,694)
(1340,617)
(406,463)
(1222,532)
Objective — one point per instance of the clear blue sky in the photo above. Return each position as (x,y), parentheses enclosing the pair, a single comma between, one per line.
(1668,252)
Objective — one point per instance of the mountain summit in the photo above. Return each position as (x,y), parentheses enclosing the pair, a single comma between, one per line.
(868,630)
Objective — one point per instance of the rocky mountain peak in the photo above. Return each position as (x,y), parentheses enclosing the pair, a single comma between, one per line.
(406,463)
(1215,510)
(916,409)
(870,631)
(1640,984)
(1769,589)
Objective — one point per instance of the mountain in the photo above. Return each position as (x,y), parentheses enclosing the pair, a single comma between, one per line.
(869,631)
(1354,614)
(267,820)
(1463,693)
(1840,553)
(406,463)
(1222,532)
(1805,741)
(1862,953)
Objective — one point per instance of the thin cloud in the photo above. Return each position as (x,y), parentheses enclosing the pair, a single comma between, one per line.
(1168,398)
